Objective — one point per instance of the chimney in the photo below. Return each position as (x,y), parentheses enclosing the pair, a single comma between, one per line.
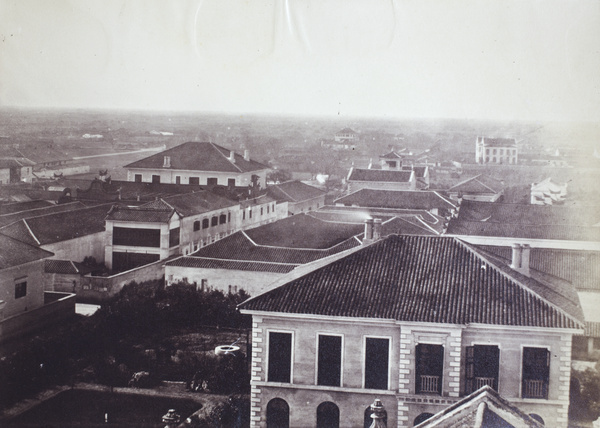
(516,256)
(368,229)
(246,155)
(231,156)
(167,162)
(376,229)
(525,259)
(520,258)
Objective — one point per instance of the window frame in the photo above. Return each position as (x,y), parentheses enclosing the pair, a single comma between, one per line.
(364,360)
(317,349)
(292,352)
(20,288)
(522,372)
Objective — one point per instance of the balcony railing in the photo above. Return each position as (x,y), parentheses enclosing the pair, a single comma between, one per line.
(430,384)
(534,388)
(483,381)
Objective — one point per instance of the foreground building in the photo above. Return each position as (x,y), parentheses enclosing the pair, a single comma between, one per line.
(415,321)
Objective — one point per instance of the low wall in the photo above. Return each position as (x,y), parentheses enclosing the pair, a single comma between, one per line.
(57,307)
(99,288)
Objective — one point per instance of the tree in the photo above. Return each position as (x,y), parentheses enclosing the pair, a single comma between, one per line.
(585,395)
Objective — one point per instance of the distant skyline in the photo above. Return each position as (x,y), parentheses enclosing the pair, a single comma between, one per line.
(493,59)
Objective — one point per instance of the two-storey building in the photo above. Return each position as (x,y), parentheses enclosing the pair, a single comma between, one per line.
(417,322)
(496,150)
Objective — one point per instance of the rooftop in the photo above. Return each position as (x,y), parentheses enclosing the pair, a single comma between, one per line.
(404,199)
(141,214)
(16,253)
(294,191)
(250,266)
(65,267)
(57,227)
(192,203)
(499,142)
(419,279)
(15,207)
(196,156)
(478,184)
(11,218)
(380,175)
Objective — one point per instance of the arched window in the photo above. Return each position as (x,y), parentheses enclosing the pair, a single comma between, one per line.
(205,223)
(537,418)
(328,415)
(369,419)
(422,417)
(214,221)
(278,414)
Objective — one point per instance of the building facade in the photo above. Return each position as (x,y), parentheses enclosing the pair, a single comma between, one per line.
(496,151)
(431,324)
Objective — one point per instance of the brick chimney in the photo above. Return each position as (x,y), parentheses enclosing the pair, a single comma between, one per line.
(167,162)
(231,157)
(369,229)
(246,155)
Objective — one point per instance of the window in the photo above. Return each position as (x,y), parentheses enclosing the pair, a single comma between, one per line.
(329,364)
(268,209)
(214,221)
(244,215)
(430,366)
(280,357)
(137,178)
(536,372)
(155,178)
(228,217)
(196,225)
(231,182)
(482,363)
(177,179)
(278,414)
(20,289)
(250,213)
(222,219)
(205,223)
(211,181)
(195,180)
(261,210)
(328,415)
(136,237)
(173,237)
(376,363)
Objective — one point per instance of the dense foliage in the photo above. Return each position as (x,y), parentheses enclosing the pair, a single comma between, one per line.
(585,395)
(126,335)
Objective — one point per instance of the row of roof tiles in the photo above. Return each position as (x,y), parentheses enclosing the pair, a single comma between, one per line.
(405,199)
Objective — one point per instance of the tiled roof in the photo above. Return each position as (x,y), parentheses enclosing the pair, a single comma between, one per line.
(499,142)
(57,227)
(303,231)
(294,191)
(529,214)
(478,184)
(209,263)
(408,226)
(259,200)
(527,231)
(16,253)
(346,131)
(15,163)
(239,247)
(391,155)
(11,218)
(193,203)
(404,199)
(415,278)
(141,215)
(40,152)
(381,175)
(580,268)
(469,413)
(196,156)
(65,267)
(16,207)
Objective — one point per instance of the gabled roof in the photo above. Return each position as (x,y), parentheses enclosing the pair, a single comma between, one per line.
(346,131)
(483,408)
(403,199)
(15,163)
(57,227)
(16,207)
(379,175)
(65,267)
(419,170)
(494,212)
(249,266)
(527,231)
(192,203)
(499,142)
(416,279)
(391,155)
(16,253)
(196,156)
(37,153)
(408,225)
(294,191)
(141,214)
(478,184)
(240,247)
(14,217)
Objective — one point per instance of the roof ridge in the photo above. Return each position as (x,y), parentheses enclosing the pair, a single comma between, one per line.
(286,193)
(500,270)
(419,219)
(240,261)
(485,185)
(31,232)
(217,149)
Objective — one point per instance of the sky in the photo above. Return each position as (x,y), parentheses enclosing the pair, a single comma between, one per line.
(492,59)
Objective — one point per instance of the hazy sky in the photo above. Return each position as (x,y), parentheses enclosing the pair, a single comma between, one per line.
(500,59)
